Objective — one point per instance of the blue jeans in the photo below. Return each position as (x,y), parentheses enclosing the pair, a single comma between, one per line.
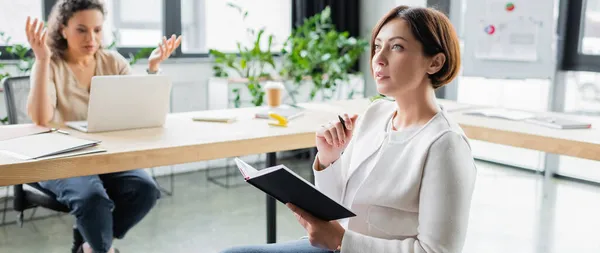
(106,206)
(299,246)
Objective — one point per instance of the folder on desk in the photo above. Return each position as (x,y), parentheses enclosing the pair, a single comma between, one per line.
(287,111)
(559,123)
(217,119)
(286,186)
(16,131)
(47,145)
(501,113)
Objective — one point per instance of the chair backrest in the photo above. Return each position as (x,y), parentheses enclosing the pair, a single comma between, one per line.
(16,91)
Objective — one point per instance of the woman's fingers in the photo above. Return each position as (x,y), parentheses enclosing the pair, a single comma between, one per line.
(165,45)
(160,49)
(38,32)
(335,139)
(33,26)
(328,137)
(172,42)
(178,41)
(171,46)
(163,49)
(27,28)
(31,31)
(43,38)
(341,134)
(347,121)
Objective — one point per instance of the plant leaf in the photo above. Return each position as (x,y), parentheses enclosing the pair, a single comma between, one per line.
(243,63)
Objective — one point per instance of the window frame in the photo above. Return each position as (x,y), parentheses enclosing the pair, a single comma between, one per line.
(175,14)
(572,58)
(172,24)
(46,8)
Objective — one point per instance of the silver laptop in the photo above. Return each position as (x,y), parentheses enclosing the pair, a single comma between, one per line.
(126,102)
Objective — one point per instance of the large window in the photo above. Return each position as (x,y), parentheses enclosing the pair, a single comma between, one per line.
(582,86)
(582,96)
(204,24)
(578,93)
(133,26)
(12,18)
(590,38)
(529,95)
(214,24)
(581,36)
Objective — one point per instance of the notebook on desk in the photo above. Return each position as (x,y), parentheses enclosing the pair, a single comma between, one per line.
(47,145)
(286,186)
(501,113)
(287,111)
(559,123)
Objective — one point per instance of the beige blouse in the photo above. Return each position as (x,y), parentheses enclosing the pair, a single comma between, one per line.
(70,100)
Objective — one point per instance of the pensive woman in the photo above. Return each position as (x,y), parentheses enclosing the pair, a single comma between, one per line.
(404,167)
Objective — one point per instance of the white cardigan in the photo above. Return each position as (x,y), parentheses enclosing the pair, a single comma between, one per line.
(417,196)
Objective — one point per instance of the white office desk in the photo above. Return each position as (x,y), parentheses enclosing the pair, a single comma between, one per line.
(183,140)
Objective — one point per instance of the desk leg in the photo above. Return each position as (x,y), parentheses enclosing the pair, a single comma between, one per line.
(271,207)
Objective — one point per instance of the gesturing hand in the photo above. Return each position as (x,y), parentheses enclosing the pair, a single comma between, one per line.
(163,51)
(36,37)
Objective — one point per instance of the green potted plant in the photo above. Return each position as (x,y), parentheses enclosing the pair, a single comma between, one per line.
(20,52)
(316,52)
(249,63)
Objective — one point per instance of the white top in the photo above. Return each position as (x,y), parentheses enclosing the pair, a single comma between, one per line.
(411,190)
(363,171)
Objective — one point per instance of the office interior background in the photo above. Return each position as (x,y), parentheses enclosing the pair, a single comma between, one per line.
(524,201)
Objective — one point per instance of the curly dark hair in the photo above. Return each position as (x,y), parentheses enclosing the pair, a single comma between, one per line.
(62,11)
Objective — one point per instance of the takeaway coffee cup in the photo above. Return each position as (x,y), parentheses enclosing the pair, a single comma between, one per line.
(274,92)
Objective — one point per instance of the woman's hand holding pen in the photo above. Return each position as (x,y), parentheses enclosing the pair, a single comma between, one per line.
(332,138)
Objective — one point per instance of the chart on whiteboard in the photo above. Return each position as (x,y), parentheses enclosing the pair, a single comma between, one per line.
(508,31)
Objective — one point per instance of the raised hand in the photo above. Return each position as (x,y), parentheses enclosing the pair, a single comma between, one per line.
(332,139)
(36,37)
(163,51)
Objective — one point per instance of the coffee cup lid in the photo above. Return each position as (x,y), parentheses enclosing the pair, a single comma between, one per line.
(274,85)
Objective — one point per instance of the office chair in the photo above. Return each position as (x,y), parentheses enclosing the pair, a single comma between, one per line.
(32,195)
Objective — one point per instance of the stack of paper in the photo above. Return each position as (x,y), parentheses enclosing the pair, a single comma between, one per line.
(47,146)
(15,131)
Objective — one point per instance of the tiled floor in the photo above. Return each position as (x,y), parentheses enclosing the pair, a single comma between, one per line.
(512,211)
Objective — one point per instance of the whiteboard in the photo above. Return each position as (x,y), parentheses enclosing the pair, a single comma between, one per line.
(509,39)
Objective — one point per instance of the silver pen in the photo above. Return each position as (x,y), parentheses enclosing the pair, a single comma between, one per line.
(59,131)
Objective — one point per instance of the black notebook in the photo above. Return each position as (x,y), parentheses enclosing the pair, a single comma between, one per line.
(286,186)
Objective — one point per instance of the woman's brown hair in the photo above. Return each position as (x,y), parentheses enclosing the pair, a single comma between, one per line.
(62,11)
(434,31)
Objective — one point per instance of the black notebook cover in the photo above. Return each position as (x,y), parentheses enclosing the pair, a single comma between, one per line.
(286,187)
